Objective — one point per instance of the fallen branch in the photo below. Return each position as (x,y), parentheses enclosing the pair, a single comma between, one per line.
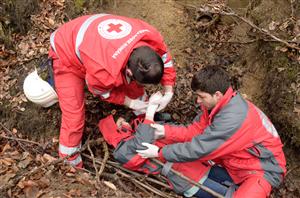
(191,181)
(292,169)
(95,167)
(106,156)
(217,10)
(21,140)
(117,167)
(152,189)
(13,136)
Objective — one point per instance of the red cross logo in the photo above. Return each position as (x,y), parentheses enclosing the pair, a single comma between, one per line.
(113,27)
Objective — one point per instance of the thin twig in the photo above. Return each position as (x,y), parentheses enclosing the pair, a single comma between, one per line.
(13,135)
(191,181)
(95,167)
(152,189)
(292,10)
(106,155)
(292,169)
(117,166)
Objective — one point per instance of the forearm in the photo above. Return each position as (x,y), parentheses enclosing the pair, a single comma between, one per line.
(181,133)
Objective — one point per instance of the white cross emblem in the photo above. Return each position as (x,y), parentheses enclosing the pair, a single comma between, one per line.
(114,29)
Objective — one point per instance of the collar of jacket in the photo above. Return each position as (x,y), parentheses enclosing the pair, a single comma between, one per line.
(224,101)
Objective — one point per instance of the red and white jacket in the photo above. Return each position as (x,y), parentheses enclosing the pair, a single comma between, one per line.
(97,47)
(235,134)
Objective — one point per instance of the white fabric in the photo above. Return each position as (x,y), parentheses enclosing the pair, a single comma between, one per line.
(52,41)
(75,162)
(152,106)
(137,104)
(68,150)
(159,131)
(164,101)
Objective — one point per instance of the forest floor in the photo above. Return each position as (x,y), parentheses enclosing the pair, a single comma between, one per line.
(266,71)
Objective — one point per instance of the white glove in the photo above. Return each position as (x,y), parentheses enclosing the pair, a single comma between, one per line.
(136,104)
(151,152)
(155,98)
(159,131)
(164,101)
(153,105)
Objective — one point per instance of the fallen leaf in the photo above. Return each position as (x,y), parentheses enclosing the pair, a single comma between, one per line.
(110,185)
(47,158)
(5,148)
(14,130)
(51,21)
(31,191)
(5,178)
(23,164)
(7,161)
(272,25)
(44,182)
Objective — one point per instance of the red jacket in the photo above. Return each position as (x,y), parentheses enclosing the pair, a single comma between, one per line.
(97,47)
(235,134)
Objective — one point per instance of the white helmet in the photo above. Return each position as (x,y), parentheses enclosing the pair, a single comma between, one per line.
(39,91)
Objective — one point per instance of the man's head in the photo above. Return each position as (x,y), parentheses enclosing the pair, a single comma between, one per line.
(145,66)
(210,85)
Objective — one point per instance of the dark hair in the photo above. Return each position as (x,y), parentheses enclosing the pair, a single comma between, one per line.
(146,65)
(210,80)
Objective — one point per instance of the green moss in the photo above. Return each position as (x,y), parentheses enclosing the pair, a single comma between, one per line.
(79,5)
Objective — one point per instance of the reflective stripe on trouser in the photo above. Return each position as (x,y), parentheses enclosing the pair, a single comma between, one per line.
(70,91)
(75,160)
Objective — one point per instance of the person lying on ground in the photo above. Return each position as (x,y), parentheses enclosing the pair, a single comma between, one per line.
(232,132)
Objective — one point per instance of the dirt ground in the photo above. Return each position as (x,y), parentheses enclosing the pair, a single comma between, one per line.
(266,72)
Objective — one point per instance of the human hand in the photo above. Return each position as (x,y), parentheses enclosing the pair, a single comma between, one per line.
(159,131)
(164,101)
(151,152)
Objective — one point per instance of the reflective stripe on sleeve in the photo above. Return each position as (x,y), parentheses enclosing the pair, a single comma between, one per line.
(52,37)
(82,30)
(164,57)
(104,95)
(68,150)
(169,64)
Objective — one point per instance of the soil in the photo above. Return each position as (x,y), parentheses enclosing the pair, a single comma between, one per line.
(267,73)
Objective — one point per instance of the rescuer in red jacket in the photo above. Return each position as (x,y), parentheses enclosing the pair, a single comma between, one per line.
(114,56)
(127,138)
(232,132)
